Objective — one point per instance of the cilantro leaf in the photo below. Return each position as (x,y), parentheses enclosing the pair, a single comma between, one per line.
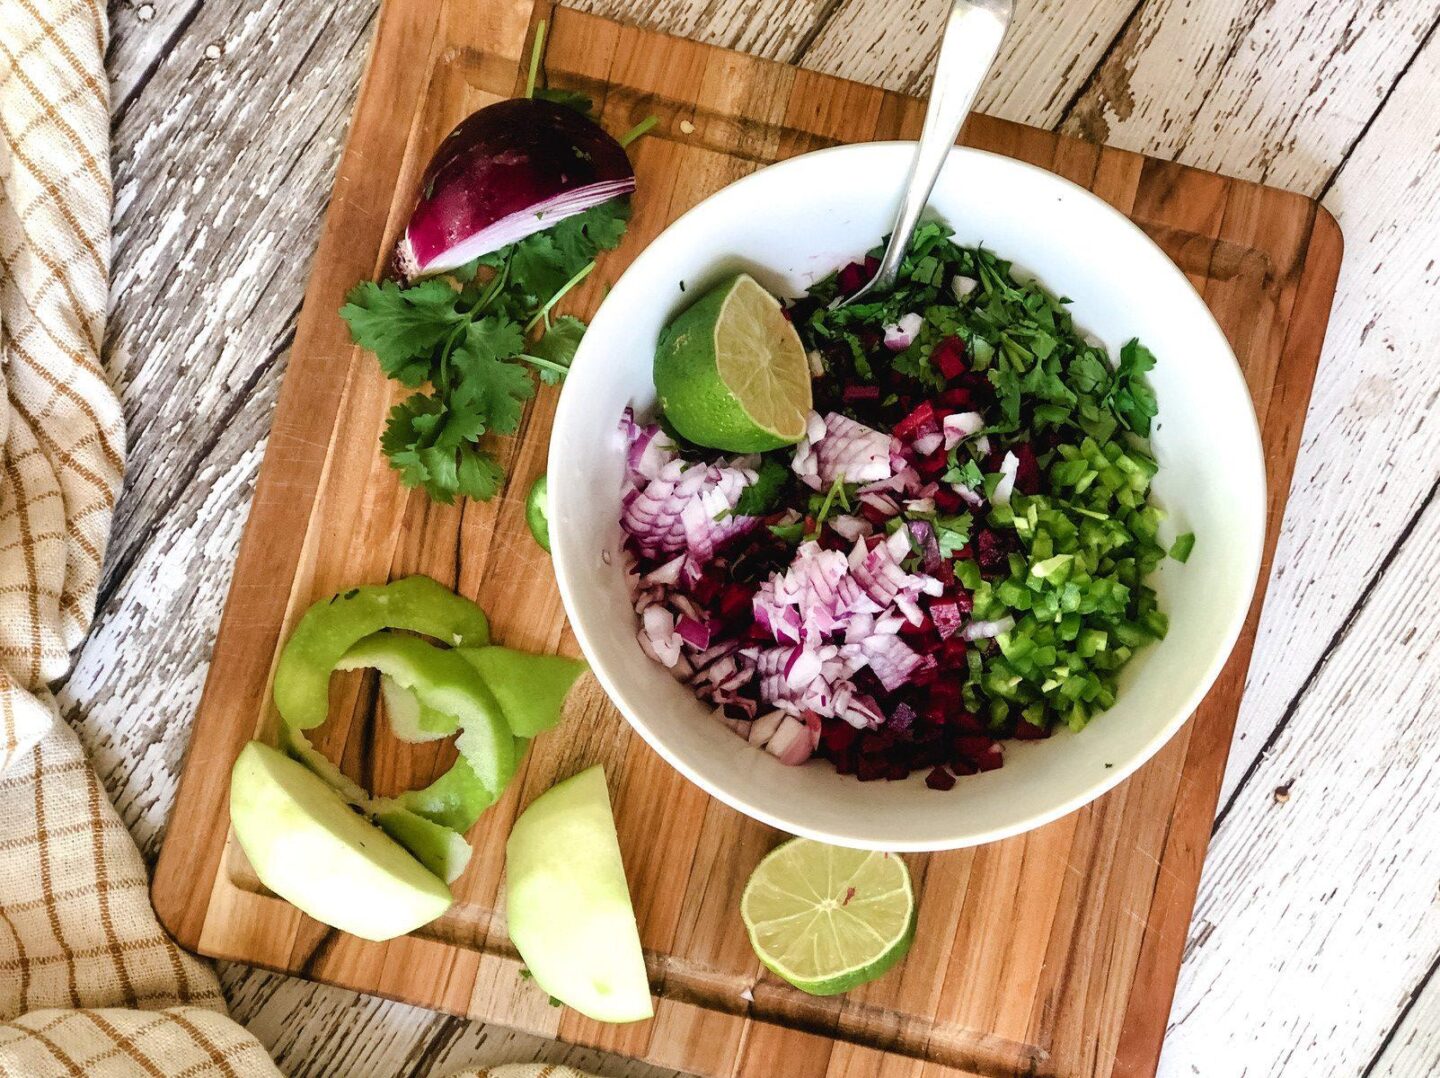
(580,238)
(479,475)
(491,387)
(763,495)
(1131,396)
(952,533)
(402,326)
(967,475)
(558,346)
(493,338)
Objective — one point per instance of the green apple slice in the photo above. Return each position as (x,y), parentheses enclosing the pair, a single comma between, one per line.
(568,905)
(530,689)
(454,800)
(410,720)
(448,687)
(440,849)
(309,847)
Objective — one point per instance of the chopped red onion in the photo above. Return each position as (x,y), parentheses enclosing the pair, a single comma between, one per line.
(658,631)
(841,449)
(738,726)
(926,444)
(763,728)
(988,630)
(695,633)
(850,527)
(960,426)
(901,334)
(1009,468)
(792,743)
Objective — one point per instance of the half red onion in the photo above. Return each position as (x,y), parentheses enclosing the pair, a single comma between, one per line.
(510,170)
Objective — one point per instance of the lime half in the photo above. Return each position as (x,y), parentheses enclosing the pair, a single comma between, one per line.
(731,372)
(827,919)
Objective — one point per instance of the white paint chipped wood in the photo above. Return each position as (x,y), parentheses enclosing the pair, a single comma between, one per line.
(1319,909)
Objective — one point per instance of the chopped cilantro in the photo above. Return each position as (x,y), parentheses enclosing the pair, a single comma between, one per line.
(952,533)
(763,495)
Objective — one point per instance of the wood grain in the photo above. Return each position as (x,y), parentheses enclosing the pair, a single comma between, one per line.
(1078,980)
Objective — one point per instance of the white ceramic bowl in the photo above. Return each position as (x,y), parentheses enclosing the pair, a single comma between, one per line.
(792,224)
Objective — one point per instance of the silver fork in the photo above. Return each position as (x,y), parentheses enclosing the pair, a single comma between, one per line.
(973,33)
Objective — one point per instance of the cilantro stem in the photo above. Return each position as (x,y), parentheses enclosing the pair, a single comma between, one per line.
(536,51)
(836,488)
(547,364)
(544,312)
(638,130)
(492,289)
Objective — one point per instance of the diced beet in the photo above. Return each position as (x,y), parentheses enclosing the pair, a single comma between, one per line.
(952,654)
(947,617)
(948,502)
(897,770)
(1028,731)
(873,513)
(925,628)
(940,779)
(972,747)
(965,601)
(854,393)
(1027,475)
(967,723)
(992,549)
(947,696)
(852,278)
(958,399)
(920,421)
(837,735)
(734,600)
(949,358)
(707,588)
(902,718)
(963,767)
(932,465)
(993,760)
(872,767)
(868,684)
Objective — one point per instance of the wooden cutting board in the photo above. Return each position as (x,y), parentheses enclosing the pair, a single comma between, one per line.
(1055,953)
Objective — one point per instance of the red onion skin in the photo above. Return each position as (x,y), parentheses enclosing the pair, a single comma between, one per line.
(503,160)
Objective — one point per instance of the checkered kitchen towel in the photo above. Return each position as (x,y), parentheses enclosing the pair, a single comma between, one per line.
(89,983)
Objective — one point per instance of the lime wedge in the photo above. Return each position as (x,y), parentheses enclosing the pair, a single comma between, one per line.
(731,371)
(827,919)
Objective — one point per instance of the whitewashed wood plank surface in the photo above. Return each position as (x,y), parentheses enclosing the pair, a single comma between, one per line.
(1414,1048)
(1319,912)
(229,117)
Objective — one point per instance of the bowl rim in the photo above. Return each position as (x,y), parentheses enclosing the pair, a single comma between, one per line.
(1248,571)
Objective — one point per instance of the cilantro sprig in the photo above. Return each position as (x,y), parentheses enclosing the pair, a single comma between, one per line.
(470,346)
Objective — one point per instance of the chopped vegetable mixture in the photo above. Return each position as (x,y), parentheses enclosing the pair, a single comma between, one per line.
(956,552)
